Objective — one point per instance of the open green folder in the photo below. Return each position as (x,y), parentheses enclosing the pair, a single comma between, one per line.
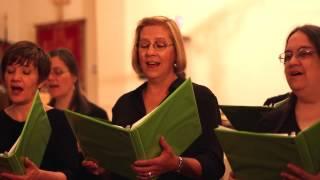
(264,155)
(32,141)
(244,117)
(116,148)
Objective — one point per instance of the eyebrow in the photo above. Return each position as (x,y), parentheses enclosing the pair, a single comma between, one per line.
(155,39)
(301,47)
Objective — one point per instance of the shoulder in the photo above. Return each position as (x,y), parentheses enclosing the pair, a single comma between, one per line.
(55,113)
(203,93)
(273,120)
(130,97)
(97,111)
(57,117)
(201,89)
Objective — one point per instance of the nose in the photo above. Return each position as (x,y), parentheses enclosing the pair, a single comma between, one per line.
(293,60)
(50,77)
(151,49)
(16,75)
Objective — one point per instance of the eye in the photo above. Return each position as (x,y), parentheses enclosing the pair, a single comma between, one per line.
(287,56)
(10,70)
(160,45)
(304,53)
(26,71)
(57,71)
(144,44)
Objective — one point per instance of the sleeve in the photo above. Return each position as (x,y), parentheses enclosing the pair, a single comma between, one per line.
(62,153)
(208,150)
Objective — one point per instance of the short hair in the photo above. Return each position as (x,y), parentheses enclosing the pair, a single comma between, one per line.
(311,31)
(25,53)
(175,35)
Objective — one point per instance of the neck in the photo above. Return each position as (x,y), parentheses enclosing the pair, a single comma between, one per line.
(307,111)
(308,97)
(19,112)
(160,85)
(63,102)
(155,92)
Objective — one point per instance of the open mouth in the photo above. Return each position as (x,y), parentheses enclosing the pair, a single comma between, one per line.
(16,89)
(152,64)
(295,73)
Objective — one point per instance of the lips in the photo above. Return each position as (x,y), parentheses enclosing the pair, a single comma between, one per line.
(15,89)
(152,63)
(295,73)
(53,86)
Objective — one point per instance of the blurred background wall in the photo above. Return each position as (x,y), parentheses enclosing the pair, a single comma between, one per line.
(232,45)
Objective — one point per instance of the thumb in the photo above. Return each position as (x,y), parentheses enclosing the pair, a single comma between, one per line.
(163,143)
(28,163)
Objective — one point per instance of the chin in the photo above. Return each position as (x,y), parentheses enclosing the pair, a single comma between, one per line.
(296,88)
(53,94)
(151,76)
(19,101)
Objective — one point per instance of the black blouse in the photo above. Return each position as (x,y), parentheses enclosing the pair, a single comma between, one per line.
(130,107)
(61,153)
(280,120)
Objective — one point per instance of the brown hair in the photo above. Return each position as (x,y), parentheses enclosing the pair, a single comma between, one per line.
(311,31)
(24,53)
(79,102)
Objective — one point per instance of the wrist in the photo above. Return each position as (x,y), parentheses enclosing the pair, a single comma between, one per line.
(180,164)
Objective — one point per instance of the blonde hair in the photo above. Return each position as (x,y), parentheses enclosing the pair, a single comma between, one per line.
(175,35)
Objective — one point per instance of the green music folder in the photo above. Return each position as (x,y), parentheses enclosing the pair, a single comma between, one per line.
(264,155)
(116,148)
(244,117)
(32,141)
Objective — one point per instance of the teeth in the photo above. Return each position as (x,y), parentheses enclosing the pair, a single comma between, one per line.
(296,73)
(152,63)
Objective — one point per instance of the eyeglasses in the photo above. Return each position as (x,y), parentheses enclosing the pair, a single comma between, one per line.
(157,45)
(301,54)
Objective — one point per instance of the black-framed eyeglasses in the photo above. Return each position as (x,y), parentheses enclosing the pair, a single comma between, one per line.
(157,45)
(300,54)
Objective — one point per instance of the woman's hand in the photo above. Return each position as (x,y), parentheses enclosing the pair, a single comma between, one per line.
(93,167)
(294,172)
(167,161)
(33,172)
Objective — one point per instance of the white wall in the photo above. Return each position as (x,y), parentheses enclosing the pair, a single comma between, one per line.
(12,10)
(233,49)
(234,44)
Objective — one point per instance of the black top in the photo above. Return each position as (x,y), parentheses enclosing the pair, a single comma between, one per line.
(90,109)
(61,153)
(96,111)
(280,120)
(130,107)
(272,101)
